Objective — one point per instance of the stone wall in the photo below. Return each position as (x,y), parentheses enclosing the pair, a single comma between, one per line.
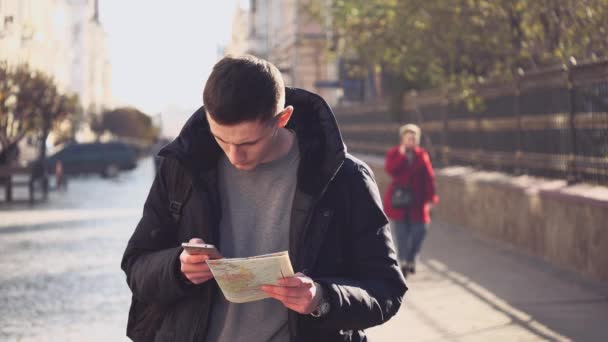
(565,225)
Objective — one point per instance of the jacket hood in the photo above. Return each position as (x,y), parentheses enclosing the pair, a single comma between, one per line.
(322,150)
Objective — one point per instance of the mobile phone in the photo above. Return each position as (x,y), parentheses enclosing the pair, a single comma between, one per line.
(202,248)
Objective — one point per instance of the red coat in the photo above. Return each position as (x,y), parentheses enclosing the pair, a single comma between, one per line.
(418,176)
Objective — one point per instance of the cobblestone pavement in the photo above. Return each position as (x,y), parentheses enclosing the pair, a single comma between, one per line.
(60,277)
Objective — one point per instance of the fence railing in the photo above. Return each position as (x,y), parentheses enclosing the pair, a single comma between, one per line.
(551,123)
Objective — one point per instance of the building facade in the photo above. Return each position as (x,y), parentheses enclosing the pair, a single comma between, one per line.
(282,32)
(62,38)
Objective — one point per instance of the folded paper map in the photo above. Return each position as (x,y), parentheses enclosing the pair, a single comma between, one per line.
(241,278)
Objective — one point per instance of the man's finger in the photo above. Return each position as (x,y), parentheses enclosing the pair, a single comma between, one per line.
(186,258)
(296,281)
(195,258)
(196,240)
(299,292)
(280,298)
(199,280)
(199,274)
(197,267)
(194,267)
(289,300)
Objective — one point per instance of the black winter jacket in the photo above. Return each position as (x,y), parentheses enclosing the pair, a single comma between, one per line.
(338,235)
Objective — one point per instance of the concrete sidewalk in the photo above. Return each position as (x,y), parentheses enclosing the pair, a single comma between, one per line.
(470,289)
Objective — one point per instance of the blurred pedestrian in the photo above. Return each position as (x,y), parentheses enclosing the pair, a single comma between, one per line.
(269,172)
(60,180)
(410,194)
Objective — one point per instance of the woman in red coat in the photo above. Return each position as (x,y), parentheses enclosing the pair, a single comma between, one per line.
(409,196)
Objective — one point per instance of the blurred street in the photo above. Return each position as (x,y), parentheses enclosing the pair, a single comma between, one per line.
(60,278)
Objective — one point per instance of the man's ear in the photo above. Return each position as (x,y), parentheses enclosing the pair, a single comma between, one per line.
(284,117)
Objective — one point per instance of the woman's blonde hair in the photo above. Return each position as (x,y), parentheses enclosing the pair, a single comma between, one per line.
(410,128)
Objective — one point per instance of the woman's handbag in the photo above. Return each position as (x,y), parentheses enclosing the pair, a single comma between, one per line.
(401,197)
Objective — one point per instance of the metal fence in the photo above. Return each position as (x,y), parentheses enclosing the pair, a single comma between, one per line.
(552,123)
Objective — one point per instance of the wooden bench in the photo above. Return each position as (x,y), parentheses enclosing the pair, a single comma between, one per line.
(34,176)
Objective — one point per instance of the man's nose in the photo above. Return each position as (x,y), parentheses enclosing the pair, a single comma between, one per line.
(234,153)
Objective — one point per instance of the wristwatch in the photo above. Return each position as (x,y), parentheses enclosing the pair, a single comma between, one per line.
(324,306)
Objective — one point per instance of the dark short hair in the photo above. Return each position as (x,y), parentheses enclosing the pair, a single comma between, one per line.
(243,88)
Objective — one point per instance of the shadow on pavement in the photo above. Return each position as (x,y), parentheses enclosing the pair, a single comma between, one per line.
(546,302)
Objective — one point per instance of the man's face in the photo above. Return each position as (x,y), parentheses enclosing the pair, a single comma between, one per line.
(246,144)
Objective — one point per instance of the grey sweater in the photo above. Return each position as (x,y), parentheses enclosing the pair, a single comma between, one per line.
(256,212)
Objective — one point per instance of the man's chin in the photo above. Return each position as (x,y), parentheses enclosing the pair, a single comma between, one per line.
(245,167)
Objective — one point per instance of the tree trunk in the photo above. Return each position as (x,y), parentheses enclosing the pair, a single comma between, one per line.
(396,88)
(42,171)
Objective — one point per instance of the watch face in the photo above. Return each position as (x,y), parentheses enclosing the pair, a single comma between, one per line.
(324,308)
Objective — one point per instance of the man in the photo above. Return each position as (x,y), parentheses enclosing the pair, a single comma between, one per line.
(269,173)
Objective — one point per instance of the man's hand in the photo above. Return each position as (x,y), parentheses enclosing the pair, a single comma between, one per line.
(194,267)
(298,293)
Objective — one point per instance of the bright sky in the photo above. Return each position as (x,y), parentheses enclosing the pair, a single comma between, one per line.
(162,52)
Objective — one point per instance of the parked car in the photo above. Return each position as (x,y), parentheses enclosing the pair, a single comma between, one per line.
(106,159)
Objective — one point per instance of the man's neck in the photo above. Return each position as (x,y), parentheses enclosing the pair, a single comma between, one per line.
(284,140)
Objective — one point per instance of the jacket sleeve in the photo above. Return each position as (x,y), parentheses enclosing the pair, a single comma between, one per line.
(151,259)
(394,162)
(429,180)
(374,291)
